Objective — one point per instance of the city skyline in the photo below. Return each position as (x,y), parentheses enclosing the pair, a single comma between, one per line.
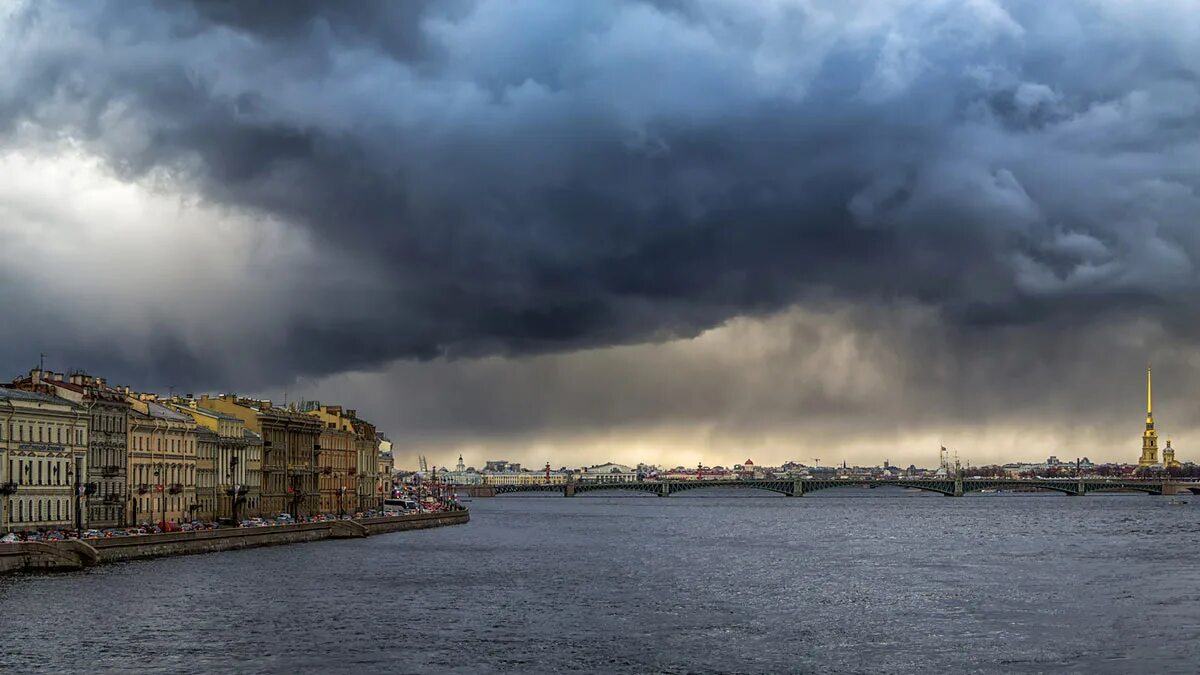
(651,231)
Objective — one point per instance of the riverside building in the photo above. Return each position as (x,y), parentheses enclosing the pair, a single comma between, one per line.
(43,460)
(338,479)
(290,442)
(236,461)
(162,462)
(108,434)
(366,455)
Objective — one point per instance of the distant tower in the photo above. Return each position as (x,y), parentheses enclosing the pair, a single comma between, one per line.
(461,467)
(1169,455)
(1149,436)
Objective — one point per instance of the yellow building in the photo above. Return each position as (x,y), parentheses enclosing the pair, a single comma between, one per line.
(162,462)
(366,455)
(43,460)
(1149,436)
(338,478)
(236,464)
(1169,455)
(290,442)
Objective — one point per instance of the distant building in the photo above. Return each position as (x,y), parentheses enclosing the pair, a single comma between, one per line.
(1169,456)
(607,473)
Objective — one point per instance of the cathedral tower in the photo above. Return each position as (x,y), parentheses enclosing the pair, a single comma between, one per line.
(1149,436)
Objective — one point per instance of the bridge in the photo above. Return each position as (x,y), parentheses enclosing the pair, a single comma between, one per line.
(797,487)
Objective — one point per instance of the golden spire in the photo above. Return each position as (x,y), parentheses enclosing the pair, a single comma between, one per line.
(1149,400)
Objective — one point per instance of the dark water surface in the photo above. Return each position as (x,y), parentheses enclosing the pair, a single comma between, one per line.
(703,584)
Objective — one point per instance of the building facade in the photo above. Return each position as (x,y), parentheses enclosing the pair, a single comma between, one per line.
(43,460)
(291,440)
(162,462)
(108,434)
(337,462)
(366,455)
(207,498)
(236,461)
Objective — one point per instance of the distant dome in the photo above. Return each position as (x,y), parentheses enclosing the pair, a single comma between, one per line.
(748,462)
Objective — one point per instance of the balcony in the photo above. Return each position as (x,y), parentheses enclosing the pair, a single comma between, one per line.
(110,471)
(175,488)
(8,488)
(112,498)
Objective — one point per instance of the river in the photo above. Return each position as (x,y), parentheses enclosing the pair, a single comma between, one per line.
(696,583)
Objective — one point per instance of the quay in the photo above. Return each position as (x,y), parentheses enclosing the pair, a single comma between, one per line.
(797,487)
(76,554)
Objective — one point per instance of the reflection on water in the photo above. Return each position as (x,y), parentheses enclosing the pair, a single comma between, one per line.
(697,583)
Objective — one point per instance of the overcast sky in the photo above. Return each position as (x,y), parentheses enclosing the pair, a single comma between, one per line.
(669,230)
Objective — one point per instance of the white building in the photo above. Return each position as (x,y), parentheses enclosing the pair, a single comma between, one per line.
(43,455)
(607,473)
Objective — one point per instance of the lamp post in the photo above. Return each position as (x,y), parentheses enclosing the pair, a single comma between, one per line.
(78,490)
(340,493)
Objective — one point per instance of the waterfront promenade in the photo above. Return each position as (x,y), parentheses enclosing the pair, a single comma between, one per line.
(76,554)
(796,487)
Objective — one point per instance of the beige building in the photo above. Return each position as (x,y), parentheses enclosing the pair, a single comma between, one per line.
(43,460)
(290,442)
(236,461)
(366,455)
(522,478)
(162,462)
(108,436)
(338,478)
(207,498)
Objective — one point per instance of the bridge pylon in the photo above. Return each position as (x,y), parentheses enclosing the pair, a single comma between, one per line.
(664,490)
(797,488)
(569,490)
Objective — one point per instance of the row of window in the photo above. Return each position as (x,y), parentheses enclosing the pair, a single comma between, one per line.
(49,471)
(32,510)
(185,445)
(175,473)
(114,424)
(41,433)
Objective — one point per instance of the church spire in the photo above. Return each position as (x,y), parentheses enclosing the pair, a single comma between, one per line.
(1149,436)
(1149,398)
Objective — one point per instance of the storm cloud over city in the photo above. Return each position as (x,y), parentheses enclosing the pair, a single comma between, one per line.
(663,231)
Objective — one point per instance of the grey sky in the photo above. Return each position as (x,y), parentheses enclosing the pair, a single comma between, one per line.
(254,196)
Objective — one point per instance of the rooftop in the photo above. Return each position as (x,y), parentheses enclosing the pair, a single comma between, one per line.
(8,394)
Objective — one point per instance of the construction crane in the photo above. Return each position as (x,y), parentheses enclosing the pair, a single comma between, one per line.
(423,464)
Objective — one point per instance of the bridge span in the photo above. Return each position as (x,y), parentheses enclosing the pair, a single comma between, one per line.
(799,487)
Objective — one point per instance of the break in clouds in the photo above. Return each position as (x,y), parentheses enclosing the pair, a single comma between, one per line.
(474,196)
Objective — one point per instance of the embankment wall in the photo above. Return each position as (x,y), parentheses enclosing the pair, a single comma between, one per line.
(74,555)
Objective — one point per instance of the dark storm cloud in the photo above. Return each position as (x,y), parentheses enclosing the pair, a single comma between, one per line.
(523,177)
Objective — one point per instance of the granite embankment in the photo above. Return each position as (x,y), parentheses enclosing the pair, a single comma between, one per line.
(74,555)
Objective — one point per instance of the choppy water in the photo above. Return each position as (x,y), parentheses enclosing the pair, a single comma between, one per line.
(689,584)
